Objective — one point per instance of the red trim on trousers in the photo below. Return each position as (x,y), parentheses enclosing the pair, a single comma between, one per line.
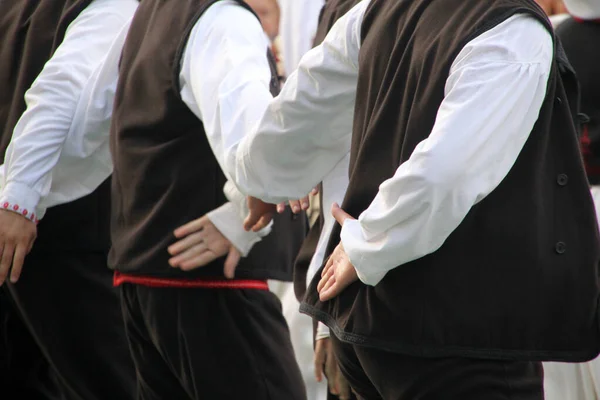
(120,278)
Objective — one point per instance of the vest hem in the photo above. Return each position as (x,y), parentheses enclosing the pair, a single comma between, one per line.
(435,351)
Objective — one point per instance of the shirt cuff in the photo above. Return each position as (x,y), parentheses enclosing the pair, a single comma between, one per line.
(20,199)
(353,240)
(322,331)
(227,220)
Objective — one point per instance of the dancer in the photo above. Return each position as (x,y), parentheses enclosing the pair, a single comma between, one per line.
(193,333)
(59,283)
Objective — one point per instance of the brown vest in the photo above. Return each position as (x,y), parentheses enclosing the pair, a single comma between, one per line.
(165,173)
(518,279)
(31,30)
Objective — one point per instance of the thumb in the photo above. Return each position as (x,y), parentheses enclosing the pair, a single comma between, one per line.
(339,214)
(231,262)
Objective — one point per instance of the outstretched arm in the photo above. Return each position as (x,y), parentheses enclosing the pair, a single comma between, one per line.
(287,144)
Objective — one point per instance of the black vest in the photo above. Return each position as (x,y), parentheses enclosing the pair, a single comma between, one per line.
(518,279)
(31,30)
(580,41)
(165,173)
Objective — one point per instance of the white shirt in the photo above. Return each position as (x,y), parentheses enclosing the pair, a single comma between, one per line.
(297,28)
(493,96)
(59,149)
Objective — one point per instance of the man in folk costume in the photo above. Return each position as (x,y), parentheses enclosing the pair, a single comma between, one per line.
(580,34)
(475,252)
(59,282)
(215,332)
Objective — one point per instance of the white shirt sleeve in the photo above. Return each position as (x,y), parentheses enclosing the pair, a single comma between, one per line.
(40,134)
(468,153)
(224,81)
(229,218)
(225,74)
(306,130)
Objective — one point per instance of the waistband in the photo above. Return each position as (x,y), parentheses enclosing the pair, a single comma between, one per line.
(218,283)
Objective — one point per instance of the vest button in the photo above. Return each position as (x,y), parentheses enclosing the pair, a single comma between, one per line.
(562,179)
(558,101)
(560,247)
(583,118)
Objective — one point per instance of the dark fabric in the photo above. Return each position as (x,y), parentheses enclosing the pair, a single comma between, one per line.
(165,172)
(31,30)
(518,279)
(375,374)
(332,11)
(69,305)
(24,371)
(210,344)
(580,41)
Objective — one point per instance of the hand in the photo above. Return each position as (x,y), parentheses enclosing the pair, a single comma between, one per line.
(261,213)
(326,364)
(298,205)
(339,272)
(17,235)
(200,244)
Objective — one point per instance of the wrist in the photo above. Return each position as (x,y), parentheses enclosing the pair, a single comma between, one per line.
(20,199)
(228,222)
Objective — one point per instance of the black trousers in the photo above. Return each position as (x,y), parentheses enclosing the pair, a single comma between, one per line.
(205,344)
(24,371)
(375,374)
(72,311)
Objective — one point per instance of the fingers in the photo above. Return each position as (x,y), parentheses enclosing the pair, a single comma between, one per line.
(17,264)
(280,208)
(3,270)
(231,263)
(330,289)
(343,386)
(255,222)
(195,239)
(320,357)
(332,371)
(6,261)
(328,265)
(339,214)
(200,260)
(295,206)
(304,203)
(261,223)
(188,254)
(315,191)
(190,227)
(325,276)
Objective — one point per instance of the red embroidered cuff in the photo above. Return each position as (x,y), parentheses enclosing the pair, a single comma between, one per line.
(30,215)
